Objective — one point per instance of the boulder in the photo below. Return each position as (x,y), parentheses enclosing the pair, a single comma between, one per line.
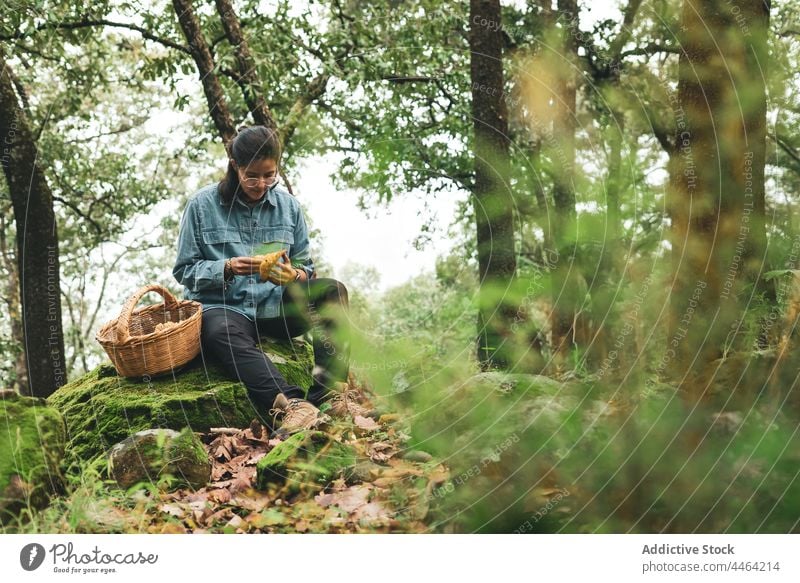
(102,408)
(307,458)
(153,454)
(32,444)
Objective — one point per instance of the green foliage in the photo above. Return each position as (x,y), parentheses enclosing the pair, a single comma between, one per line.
(304,459)
(545,457)
(31,451)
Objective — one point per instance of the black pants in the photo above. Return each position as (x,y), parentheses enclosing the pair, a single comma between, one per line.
(317,305)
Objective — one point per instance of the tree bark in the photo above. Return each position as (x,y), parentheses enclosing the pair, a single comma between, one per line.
(566,276)
(756,63)
(14,304)
(248,77)
(716,188)
(37,244)
(491,195)
(604,288)
(215,97)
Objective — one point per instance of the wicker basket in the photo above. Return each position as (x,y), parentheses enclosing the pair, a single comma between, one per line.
(137,348)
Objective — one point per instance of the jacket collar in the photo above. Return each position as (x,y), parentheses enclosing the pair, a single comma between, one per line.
(270,197)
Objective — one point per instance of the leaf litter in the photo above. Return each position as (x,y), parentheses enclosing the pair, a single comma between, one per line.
(391,495)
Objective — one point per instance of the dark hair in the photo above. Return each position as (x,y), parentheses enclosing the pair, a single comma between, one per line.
(249,144)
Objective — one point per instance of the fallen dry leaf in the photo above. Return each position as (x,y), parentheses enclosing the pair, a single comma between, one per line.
(175,510)
(381,451)
(365,423)
(256,429)
(219,516)
(253,502)
(370,513)
(172,528)
(236,521)
(253,459)
(348,500)
(398,471)
(220,495)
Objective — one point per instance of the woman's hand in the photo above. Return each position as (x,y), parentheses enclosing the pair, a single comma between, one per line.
(244,265)
(282,273)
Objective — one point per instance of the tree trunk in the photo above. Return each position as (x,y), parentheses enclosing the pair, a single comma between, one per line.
(217,104)
(716,189)
(12,300)
(755,127)
(566,276)
(605,287)
(248,77)
(491,195)
(37,244)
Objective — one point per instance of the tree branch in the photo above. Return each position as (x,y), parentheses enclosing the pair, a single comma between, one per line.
(651,49)
(21,91)
(91,23)
(400,79)
(786,147)
(248,79)
(314,90)
(624,35)
(106,274)
(217,104)
(95,225)
(125,127)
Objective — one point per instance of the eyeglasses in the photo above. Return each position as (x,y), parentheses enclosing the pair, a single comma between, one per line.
(252,181)
(267,180)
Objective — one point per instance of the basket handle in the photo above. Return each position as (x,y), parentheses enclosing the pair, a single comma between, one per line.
(124,320)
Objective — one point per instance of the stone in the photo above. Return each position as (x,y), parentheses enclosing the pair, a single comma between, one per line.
(152,454)
(32,443)
(102,408)
(310,458)
(416,455)
(363,471)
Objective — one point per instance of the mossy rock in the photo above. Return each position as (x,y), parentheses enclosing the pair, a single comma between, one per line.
(307,458)
(160,456)
(32,443)
(102,408)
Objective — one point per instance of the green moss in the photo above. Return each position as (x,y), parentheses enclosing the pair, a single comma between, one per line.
(304,458)
(102,408)
(187,448)
(32,442)
(152,455)
(271,468)
(294,360)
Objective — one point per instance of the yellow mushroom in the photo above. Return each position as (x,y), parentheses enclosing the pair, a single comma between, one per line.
(268,261)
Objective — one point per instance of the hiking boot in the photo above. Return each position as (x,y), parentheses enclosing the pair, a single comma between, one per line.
(298,414)
(345,403)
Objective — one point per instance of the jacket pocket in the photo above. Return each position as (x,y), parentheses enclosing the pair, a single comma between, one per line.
(270,239)
(275,234)
(218,236)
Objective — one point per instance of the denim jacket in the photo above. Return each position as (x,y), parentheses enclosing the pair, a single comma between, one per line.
(212,231)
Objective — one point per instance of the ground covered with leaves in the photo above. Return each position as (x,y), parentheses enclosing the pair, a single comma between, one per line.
(381,485)
(499,454)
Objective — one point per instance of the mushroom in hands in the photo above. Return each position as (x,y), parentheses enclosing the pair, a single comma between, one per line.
(268,261)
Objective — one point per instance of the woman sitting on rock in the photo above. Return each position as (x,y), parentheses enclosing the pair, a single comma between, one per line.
(223,227)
